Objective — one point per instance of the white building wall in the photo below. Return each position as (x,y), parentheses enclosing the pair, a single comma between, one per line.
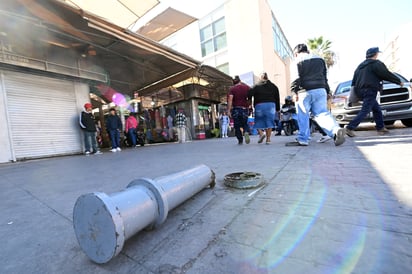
(250,43)
(5,144)
(396,54)
(82,93)
(244,37)
(186,41)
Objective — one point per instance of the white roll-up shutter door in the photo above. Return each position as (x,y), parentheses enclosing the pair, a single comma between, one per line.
(42,114)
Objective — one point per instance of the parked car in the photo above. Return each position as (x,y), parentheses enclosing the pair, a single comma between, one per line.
(394,100)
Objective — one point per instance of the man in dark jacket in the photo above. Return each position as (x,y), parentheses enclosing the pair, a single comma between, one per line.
(88,125)
(114,127)
(367,82)
(311,88)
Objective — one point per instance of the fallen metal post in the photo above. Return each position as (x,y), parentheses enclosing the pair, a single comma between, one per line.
(103,223)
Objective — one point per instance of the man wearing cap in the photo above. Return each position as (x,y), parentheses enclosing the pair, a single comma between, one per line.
(238,109)
(87,123)
(367,82)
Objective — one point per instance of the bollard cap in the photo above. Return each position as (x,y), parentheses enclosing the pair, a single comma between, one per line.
(98,227)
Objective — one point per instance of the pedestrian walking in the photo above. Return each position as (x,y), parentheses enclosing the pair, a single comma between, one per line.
(88,125)
(238,109)
(367,81)
(278,124)
(114,127)
(170,127)
(224,124)
(130,128)
(180,119)
(311,88)
(266,102)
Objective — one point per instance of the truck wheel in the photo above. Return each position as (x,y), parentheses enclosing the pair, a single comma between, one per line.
(407,122)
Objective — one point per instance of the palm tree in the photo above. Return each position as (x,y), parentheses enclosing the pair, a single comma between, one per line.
(322,47)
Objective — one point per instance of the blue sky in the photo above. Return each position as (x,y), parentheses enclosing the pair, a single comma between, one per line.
(352,26)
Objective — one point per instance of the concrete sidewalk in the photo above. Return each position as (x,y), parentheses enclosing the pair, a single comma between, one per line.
(324,209)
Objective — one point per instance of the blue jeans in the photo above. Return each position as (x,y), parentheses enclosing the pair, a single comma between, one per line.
(265,115)
(369,104)
(240,116)
(278,123)
(132,135)
(314,101)
(114,138)
(90,141)
(224,130)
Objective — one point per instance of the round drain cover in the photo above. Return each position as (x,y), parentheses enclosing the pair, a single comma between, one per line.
(244,180)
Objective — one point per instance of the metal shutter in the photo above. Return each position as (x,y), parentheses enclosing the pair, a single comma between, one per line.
(42,114)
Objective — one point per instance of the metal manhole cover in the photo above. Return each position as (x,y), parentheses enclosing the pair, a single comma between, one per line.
(244,180)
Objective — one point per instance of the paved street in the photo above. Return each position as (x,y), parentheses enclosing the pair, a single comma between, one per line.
(323,209)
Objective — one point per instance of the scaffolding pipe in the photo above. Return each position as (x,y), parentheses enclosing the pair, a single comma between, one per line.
(102,223)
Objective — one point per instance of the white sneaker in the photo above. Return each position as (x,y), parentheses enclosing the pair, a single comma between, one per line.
(87,153)
(119,149)
(324,139)
(113,150)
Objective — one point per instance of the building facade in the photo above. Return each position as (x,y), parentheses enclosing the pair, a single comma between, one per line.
(239,38)
(55,57)
(396,53)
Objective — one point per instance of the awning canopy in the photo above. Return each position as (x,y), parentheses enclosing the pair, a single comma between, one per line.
(132,62)
(212,78)
(164,24)
(123,13)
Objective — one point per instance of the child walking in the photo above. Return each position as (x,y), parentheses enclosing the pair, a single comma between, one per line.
(224,121)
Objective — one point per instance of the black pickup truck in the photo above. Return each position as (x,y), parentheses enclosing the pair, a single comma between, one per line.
(394,100)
